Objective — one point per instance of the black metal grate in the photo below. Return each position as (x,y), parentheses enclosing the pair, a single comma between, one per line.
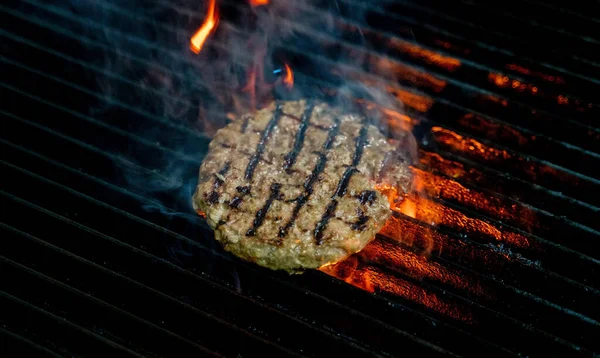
(503,100)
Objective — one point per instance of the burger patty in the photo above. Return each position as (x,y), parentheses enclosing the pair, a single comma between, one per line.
(292,186)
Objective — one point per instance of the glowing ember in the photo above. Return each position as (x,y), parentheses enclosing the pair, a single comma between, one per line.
(201,213)
(358,273)
(210,23)
(449,63)
(259,2)
(288,79)
(408,208)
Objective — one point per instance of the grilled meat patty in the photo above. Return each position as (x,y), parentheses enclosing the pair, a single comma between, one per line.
(292,186)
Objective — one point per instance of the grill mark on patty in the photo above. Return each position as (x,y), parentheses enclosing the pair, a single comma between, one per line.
(361,142)
(322,224)
(237,200)
(213,197)
(262,212)
(312,178)
(290,158)
(342,186)
(260,148)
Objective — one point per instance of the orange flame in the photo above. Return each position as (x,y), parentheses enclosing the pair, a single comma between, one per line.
(408,208)
(210,23)
(361,274)
(259,2)
(288,79)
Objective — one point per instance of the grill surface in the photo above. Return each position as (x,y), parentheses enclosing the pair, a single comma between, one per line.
(495,257)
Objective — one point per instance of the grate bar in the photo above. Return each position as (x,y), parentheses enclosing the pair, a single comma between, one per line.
(135,291)
(103,47)
(89,23)
(87,303)
(537,21)
(20,345)
(453,10)
(62,330)
(499,185)
(109,100)
(517,271)
(97,69)
(503,45)
(477,277)
(484,312)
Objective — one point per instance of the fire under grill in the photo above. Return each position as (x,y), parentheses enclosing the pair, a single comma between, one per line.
(104,125)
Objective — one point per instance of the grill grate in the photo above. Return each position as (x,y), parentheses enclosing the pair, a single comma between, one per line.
(508,173)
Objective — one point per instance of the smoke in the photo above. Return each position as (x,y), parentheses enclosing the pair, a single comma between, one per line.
(180,98)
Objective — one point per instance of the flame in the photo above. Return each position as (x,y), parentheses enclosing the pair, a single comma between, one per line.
(408,208)
(410,249)
(439,186)
(363,275)
(255,3)
(210,23)
(288,79)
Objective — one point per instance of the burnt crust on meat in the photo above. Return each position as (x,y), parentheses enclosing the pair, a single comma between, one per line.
(292,186)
